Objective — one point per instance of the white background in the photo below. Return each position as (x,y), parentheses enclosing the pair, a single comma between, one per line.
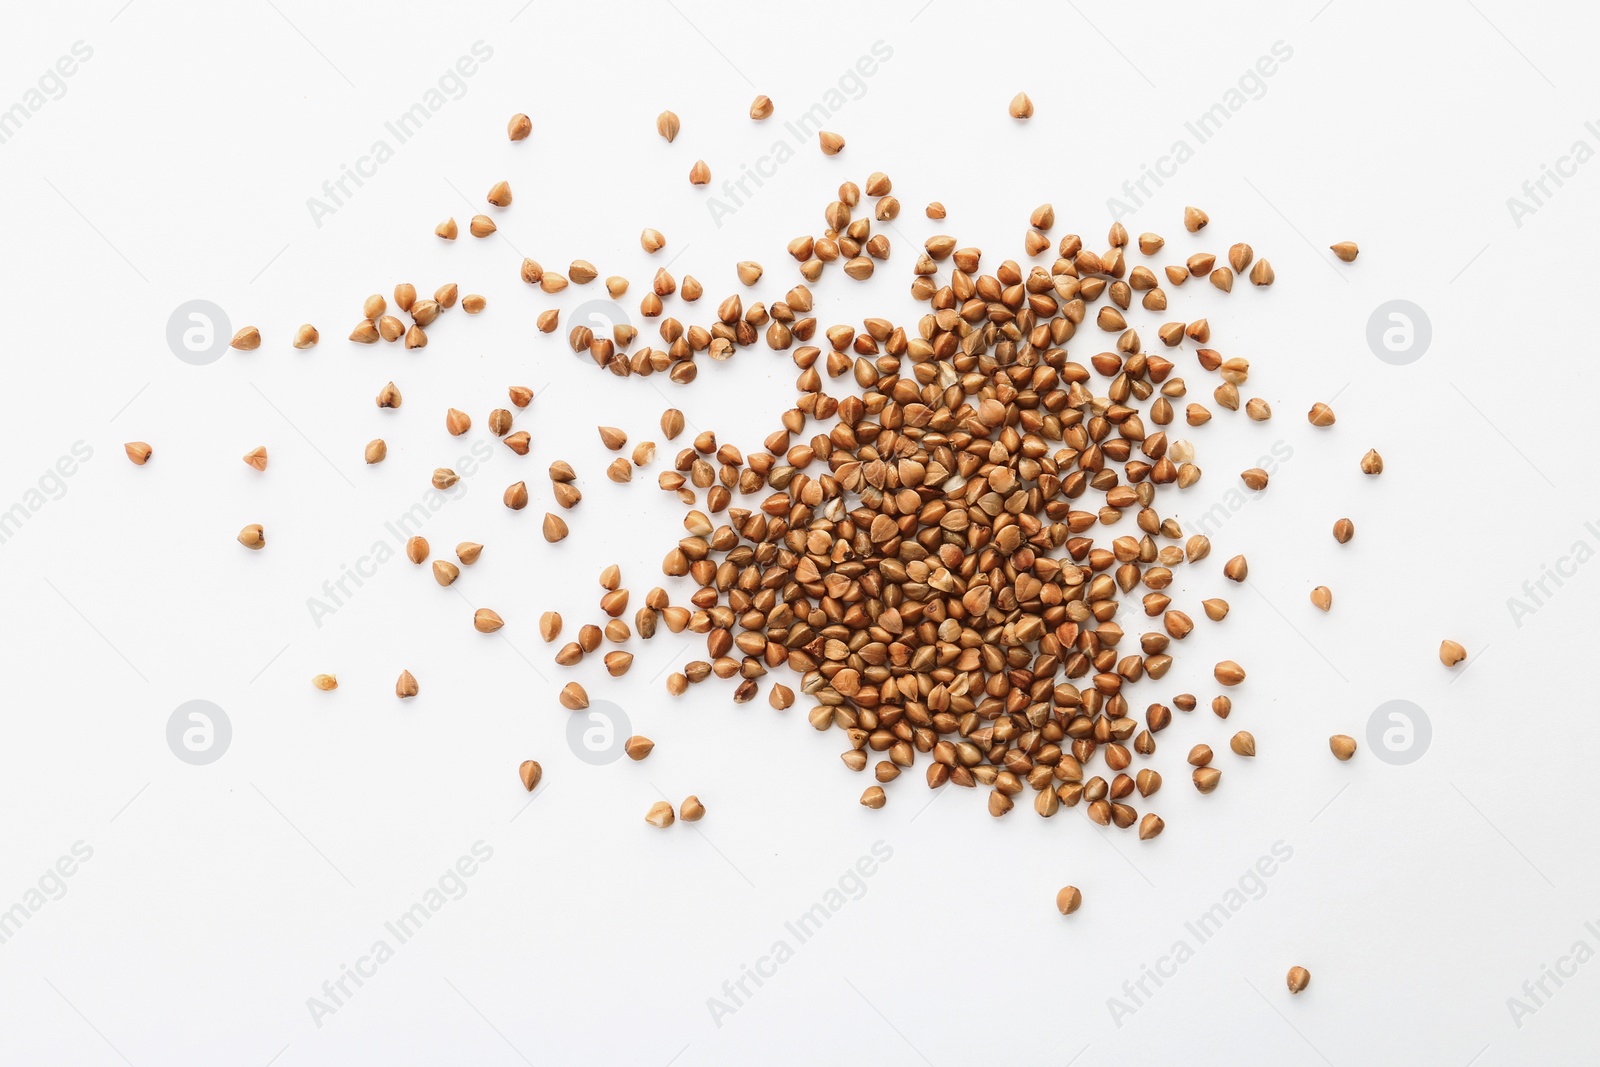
(177,165)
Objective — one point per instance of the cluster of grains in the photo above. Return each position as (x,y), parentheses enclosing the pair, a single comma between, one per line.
(927,565)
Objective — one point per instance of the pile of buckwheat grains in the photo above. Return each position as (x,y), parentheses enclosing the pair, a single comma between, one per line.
(918,553)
